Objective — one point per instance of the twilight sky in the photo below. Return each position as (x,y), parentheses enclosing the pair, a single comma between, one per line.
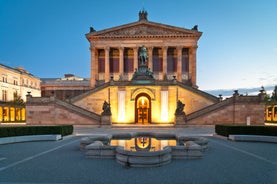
(238,48)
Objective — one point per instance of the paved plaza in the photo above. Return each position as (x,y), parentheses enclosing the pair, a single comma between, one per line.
(225,162)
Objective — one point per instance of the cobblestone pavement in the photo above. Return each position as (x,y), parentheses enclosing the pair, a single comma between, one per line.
(62,162)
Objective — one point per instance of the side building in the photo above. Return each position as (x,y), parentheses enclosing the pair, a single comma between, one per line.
(15,84)
(64,88)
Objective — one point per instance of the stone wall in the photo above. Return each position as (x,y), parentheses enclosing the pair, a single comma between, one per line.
(46,111)
(235,110)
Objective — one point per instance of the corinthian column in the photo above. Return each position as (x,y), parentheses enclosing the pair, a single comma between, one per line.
(135,49)
(93,71)
(179,63)
(192,65)
(165,60)
(150,58)
(107,64)
(121,60)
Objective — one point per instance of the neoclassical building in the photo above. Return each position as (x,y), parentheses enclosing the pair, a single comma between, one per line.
(171,51)
(135,96)
(15,83)
(64,88)
(144,73)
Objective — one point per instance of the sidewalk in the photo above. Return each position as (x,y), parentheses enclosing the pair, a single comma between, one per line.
(190,130)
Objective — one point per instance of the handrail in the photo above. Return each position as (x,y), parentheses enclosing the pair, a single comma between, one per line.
(77,109)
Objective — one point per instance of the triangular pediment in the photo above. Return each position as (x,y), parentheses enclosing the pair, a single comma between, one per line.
(144,29)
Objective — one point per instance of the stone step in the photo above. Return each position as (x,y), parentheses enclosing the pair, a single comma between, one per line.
(254,138)
(28,138)
(135,125)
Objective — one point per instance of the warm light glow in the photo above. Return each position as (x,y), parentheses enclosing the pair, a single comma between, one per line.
(143,142)
(121,106)
(12,123)
(164,106)
(270,124)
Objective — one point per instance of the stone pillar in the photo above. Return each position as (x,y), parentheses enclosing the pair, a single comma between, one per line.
(179,63)
(192,65)
(107,64)
(121,105)
(121,60)
(96,63)
(150,58)
(135,49)
(93,71)
(164,106)
(165,60)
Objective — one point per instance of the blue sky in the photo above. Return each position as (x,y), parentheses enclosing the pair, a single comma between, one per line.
(238,48)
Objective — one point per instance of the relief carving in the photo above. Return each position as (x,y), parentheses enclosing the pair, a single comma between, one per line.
(143,30)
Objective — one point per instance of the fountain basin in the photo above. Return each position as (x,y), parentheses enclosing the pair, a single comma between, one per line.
(143,159)
(143,149)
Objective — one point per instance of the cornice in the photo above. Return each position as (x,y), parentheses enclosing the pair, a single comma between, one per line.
(143,30)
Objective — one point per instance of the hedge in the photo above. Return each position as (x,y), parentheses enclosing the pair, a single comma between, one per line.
(226,130)
(36,130)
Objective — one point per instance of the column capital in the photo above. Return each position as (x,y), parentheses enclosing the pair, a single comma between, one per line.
(193,49)
(150,48)
(165,47)
(107,48)
(92,48)
(121,48)
(179,47)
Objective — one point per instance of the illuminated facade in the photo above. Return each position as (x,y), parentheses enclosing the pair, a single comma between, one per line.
(142,73)
(143,92)
(15,82)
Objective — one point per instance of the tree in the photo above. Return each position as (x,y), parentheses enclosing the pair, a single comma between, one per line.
(17,100)
(274,94)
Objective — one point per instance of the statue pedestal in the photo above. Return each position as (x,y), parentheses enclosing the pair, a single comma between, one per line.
(105,121)
(180,120)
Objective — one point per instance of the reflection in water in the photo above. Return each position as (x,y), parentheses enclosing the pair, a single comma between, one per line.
(143,143)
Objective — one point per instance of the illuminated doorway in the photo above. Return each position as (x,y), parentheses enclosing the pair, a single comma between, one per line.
(143,109)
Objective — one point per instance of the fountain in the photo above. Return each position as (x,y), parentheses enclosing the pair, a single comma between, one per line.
(143,149)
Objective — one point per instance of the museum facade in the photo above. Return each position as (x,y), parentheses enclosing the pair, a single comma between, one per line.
(142,73)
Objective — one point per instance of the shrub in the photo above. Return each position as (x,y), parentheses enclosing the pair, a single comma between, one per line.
(36,130)
(226,130)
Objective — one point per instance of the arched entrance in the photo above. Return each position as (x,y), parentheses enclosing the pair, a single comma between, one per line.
(143,109)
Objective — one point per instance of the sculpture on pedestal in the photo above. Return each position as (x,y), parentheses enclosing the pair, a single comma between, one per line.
(180,108)
(143,55)
(106,108)
(143,73)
